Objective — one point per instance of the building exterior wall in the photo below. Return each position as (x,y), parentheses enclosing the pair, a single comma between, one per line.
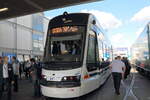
(25,21)
(141,48)
(45,28)
(7,33)
(123,52)
(23,36)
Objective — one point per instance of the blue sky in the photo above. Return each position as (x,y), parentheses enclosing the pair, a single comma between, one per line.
(123,20)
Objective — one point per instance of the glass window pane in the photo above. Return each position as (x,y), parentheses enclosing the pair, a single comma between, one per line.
(37,23)
(91,50)
(37,42)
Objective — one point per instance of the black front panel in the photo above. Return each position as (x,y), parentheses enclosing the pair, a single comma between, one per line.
(60,84)
(61,66)
(69,19)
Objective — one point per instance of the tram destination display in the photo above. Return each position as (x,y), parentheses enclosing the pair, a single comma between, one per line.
(64,29)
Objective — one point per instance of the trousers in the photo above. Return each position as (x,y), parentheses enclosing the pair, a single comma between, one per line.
(117,80)
(37,89)
(5,87)
(1,91)
(15,83)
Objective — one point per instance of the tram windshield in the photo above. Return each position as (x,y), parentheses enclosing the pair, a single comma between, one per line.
(66,44)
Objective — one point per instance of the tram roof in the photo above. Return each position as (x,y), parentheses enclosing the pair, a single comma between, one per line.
(73,19)
(16,8)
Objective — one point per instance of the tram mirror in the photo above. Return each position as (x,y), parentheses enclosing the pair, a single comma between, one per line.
(65,13)
(94,22)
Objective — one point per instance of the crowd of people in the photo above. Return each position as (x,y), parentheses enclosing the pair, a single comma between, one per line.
(11,72)
(31,70)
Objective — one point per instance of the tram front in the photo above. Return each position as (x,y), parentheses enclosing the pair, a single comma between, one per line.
(63,60)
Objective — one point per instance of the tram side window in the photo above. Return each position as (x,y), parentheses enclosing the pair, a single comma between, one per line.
(97,54)
(91,54)
(96,30)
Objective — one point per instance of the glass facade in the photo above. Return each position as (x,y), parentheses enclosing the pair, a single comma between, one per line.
(37,42)
(141,48)
(37,36)
(37,22)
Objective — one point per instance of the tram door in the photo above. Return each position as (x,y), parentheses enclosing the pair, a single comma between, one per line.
(91,62)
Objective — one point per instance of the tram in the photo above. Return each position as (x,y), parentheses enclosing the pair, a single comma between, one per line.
(74,48)
(141,52)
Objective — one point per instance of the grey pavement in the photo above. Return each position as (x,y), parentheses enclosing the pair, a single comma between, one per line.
(140,89)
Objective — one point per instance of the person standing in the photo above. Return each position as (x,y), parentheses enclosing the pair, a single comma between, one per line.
(35,77)
(39,69)
(118,69)
(27,67)
(103,63)
(1,78)
(20,69)
(7,77)
(128,67)
(15,65)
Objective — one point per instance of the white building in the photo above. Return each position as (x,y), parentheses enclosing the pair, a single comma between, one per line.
(123,52)
(23,36)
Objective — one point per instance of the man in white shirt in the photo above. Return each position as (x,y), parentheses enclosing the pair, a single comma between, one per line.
(118,69)
(6,76)
(5,71)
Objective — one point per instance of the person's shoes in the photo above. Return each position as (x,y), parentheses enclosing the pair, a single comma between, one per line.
(15,90)
(118,93)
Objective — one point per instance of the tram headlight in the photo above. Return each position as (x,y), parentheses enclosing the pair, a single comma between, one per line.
(64,78)
(44,77)
(71,78)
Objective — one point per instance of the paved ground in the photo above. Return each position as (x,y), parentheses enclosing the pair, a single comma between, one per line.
(25,92)
(136,87)
(141,87)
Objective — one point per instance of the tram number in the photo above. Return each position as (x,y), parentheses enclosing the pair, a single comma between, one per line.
(50,78)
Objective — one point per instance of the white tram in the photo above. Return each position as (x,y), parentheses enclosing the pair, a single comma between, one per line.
(72,59)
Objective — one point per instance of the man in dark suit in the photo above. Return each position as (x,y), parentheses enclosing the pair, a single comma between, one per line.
(15,65)
(35,73)
(128,67)
(6,77)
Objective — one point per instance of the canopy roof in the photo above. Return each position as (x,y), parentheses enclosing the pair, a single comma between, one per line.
(15,8)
